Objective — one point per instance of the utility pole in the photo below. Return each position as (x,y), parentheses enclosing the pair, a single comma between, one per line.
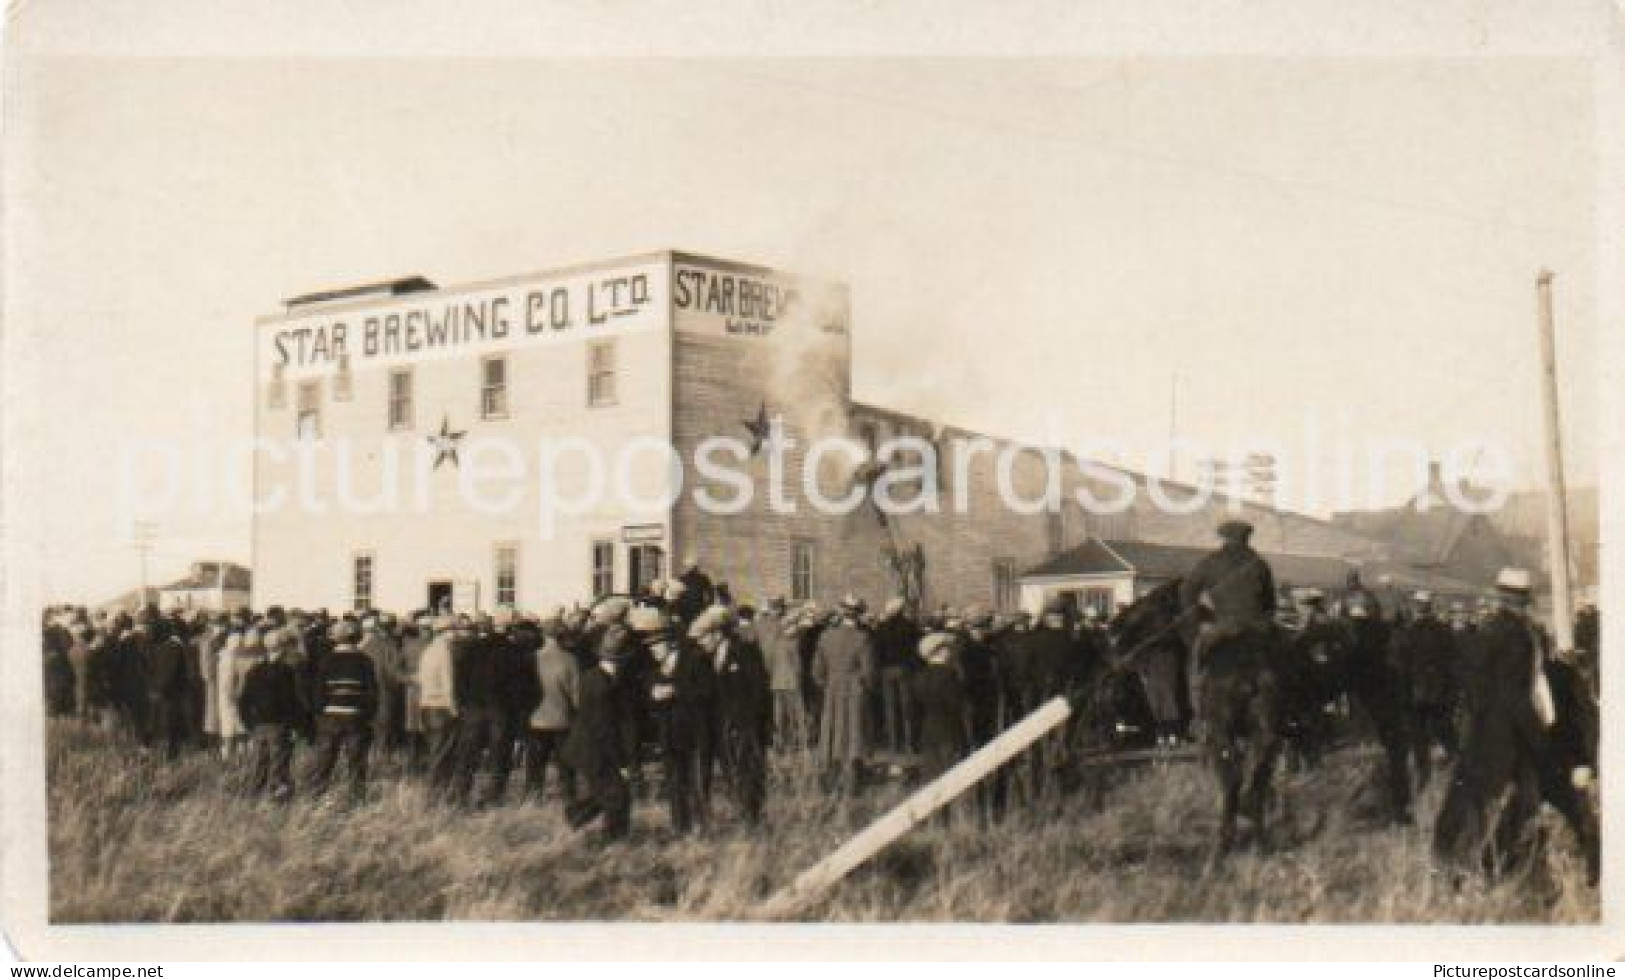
(141,535)
(1557,504)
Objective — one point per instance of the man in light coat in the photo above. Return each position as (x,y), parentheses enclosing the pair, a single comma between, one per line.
(844,669)
(775,636)
(559,677)
(437,703)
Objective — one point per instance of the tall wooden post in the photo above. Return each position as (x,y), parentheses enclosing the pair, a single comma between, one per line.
(1557,504)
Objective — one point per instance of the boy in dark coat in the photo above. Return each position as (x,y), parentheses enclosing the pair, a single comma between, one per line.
(939,693)
(271,708)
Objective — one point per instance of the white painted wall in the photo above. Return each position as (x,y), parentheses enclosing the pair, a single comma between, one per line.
(304,551)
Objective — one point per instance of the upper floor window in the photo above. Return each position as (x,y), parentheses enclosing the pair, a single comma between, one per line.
(308,424)
(400,398)
(344,379)
(494,387)
(601,373)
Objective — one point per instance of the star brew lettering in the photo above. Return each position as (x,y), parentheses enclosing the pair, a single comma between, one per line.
(749,306)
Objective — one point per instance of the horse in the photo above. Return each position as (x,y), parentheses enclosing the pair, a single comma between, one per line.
(1312,681)
(1148,638)
(1240,700)
(1240,707)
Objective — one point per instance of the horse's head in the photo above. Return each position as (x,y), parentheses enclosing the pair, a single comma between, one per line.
(1151,617)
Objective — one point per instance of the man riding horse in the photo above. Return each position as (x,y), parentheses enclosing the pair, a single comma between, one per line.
(1236,678)
(1236,587)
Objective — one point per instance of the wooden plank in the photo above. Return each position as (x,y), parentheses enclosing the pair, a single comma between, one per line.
(924,802)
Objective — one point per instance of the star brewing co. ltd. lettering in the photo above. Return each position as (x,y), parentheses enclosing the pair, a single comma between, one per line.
(520,312)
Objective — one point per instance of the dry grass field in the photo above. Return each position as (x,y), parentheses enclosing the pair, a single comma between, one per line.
(135,840)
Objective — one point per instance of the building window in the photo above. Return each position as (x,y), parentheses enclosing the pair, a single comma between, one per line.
(1005,596)
(494,387)
(343,381)
(363,582)
(276,395)
(647,561)
(308,424)
(400,398)
(507,575)
(801,571)
(1102,601)
(600,373)
(603,568)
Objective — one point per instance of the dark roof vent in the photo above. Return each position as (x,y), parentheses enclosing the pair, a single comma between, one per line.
(371,290)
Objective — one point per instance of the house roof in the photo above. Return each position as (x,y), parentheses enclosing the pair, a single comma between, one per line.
(206,575)
(386,287)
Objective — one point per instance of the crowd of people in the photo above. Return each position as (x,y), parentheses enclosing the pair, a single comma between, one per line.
(680,674)
(582,697)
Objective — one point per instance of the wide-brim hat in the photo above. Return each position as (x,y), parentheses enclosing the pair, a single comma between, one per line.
(646,619)
(934,644)
(713,620)
(1515,581)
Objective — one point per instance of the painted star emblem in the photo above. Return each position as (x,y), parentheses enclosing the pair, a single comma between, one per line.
(758,427)
(445,443)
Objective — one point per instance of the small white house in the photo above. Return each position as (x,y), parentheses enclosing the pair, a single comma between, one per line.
(1105,576)
(212,585)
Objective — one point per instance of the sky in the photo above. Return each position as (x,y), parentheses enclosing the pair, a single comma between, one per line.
(1074,250)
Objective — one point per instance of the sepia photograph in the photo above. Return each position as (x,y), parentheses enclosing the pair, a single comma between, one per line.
(848,485)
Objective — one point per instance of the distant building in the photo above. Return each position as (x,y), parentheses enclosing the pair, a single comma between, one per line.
(1430,533)
(1106,575)
(212,585)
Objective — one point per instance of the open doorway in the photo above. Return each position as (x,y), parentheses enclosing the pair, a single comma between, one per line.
(648,564)
(440,596)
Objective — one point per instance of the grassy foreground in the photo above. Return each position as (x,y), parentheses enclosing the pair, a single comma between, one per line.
(136,841)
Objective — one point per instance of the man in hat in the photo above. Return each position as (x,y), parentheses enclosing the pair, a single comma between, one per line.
(602,744)
(844,669)
(1519,749)
(679,687)
(385,653)
(559,677)
(346,704)
(743,707)
(435,686)
(698,593)
(168,687)
(495,689)
(1425,655)
(939,691)
(271,708)
(776,635)
(896,648)
(1236,588)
